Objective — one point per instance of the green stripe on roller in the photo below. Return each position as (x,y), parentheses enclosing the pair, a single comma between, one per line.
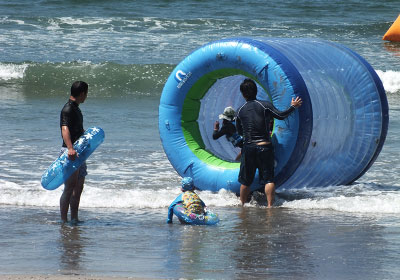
(190,114)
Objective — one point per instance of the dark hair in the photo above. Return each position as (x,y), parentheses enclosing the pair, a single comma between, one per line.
(78,87)
(248,88)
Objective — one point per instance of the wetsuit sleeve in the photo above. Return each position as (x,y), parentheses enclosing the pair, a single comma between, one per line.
(65,116)
(171,208)
(280,115)
(217,134)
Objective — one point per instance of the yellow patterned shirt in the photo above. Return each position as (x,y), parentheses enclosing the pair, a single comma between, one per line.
(192,202)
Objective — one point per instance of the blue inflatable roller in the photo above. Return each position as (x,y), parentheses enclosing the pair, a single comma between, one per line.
(332,139)
(62,168)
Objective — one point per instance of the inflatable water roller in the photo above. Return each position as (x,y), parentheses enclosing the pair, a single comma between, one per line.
(332,139)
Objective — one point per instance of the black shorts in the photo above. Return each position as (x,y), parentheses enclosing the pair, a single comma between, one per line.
(257,157)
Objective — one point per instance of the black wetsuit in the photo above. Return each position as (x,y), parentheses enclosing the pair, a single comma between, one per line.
(253,120)
(229,130)
(71,116)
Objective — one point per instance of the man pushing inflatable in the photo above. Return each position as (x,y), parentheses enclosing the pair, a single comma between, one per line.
(252,122)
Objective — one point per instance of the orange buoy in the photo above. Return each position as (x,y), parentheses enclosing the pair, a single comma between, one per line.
(393,33)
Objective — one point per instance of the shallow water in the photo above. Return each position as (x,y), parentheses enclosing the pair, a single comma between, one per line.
(248,243)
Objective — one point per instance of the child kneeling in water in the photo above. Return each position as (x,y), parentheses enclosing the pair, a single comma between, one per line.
(189,199)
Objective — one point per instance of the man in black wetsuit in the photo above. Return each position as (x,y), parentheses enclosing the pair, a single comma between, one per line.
(252,121)
(71,124)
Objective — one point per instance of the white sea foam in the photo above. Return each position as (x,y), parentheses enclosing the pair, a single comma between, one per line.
(390,80)
(32,194)
(6,20)
(361,198)
(84,21)
(388,203)
(148,198)
(53,25)
(12,71)
(358,199)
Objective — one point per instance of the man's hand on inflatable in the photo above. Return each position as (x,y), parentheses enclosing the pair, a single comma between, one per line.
(296,102)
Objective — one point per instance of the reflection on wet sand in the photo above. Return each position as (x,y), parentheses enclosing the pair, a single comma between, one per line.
(202,252)
(71,249)
(266,244)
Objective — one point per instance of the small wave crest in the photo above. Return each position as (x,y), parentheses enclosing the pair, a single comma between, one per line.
(112,79)
(32,194)
(366,199)
(390,80)
(9,71)
(105,79)
(356,199)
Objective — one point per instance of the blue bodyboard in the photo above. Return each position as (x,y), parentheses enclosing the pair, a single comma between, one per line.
(62,168)
(208,218)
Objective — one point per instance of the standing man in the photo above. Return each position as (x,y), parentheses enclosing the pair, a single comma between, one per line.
(71,124)
(252,122)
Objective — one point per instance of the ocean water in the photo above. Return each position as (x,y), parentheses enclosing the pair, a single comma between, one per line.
(126,50)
